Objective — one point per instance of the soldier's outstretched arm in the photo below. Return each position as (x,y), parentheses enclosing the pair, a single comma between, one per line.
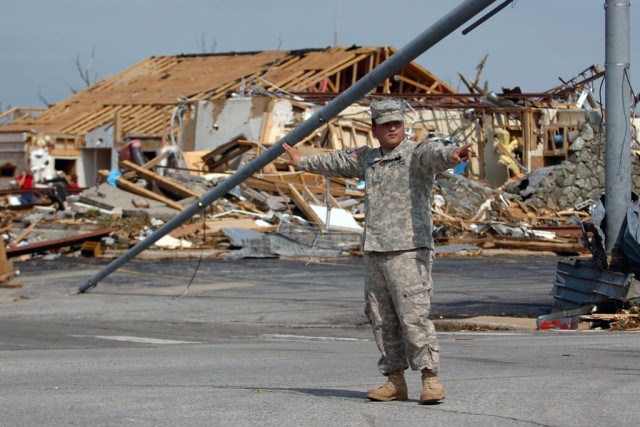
(293,153)
(462,154)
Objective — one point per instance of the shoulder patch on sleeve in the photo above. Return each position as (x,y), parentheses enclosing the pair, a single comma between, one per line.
(357,152)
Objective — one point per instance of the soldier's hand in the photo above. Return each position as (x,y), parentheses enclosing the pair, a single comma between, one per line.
(462,154)
(293,153)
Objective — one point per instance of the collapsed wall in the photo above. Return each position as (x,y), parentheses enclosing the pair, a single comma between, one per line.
(578,180)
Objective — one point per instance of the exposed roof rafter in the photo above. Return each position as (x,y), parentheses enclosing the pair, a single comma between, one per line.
(144,94)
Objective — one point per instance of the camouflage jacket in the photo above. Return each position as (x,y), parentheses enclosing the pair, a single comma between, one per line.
(398,189)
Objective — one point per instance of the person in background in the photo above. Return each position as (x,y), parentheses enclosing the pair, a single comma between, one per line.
(24,181)
(74,181)
(397,243)
(70,180)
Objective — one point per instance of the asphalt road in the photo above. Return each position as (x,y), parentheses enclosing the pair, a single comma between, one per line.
(278,342)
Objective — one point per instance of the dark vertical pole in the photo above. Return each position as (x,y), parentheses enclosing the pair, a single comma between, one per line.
(388,68)
(618,120)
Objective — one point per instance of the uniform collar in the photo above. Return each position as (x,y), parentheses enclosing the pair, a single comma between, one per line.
(394,152)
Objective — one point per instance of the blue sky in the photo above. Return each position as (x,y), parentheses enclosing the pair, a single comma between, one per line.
(530,44)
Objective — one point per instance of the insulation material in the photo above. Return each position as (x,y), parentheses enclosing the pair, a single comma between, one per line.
(505,146)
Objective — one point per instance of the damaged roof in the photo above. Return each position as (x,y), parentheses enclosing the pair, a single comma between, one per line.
(140,100)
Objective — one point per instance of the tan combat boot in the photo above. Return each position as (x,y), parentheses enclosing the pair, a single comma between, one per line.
(432,389)
(394,389)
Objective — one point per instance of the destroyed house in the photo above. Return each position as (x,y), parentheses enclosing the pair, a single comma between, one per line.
(196,101)
(211,113)
(199,103)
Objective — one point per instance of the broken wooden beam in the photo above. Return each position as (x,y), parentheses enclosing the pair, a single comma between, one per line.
(141,191)
(303,205)
(23,234)
(163,183)
(58,243)
(6,266)
(148,166)
(531,245)
(610,317)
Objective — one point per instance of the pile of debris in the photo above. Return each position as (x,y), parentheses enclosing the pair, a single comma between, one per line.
(277,212)
(283,212)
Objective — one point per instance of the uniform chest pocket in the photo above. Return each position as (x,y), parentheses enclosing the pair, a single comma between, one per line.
(395,163)
(374,173)
(385,168)
(377,174)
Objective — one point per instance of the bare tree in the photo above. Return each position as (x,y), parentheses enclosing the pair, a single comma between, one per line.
(207,48)
(87,76)
(43,99)
(474,86)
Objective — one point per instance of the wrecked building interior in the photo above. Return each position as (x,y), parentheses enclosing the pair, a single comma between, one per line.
(125,154)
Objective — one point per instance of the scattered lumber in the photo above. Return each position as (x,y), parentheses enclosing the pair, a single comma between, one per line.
(616,321)
(6,266)
(58,243)
(162,182)
(141,191)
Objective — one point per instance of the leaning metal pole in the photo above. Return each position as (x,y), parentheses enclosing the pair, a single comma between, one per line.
(618,122)
(445,26)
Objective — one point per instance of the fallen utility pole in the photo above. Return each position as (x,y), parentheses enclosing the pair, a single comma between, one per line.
(434,34)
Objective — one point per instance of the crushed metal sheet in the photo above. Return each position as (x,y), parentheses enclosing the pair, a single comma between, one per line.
(582,281)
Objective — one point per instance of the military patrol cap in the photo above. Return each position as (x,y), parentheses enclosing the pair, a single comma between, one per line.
(388,110)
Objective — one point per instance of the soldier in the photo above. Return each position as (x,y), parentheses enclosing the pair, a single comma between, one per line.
(397,243)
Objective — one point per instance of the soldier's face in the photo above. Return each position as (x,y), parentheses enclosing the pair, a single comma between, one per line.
(389,134)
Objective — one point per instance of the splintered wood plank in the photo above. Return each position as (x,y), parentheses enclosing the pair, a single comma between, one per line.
(141,191)
(222,155)
(312,197)
(24,233)
(195,163)
(58,243)
(214,227)
(162,182)
(610,317)
(335,140)
(303,205)
(149,165)
(187,229)
(314,200)
(267,123)
(6,266)
(333,201)
(563,247)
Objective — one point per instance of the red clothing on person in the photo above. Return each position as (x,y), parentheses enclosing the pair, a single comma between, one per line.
(27,181)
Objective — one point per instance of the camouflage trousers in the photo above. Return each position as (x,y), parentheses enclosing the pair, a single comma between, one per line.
(398,291)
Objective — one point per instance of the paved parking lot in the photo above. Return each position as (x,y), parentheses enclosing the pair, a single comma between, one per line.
(284,342)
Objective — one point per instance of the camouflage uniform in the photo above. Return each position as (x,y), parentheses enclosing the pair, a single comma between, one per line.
(397,243)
